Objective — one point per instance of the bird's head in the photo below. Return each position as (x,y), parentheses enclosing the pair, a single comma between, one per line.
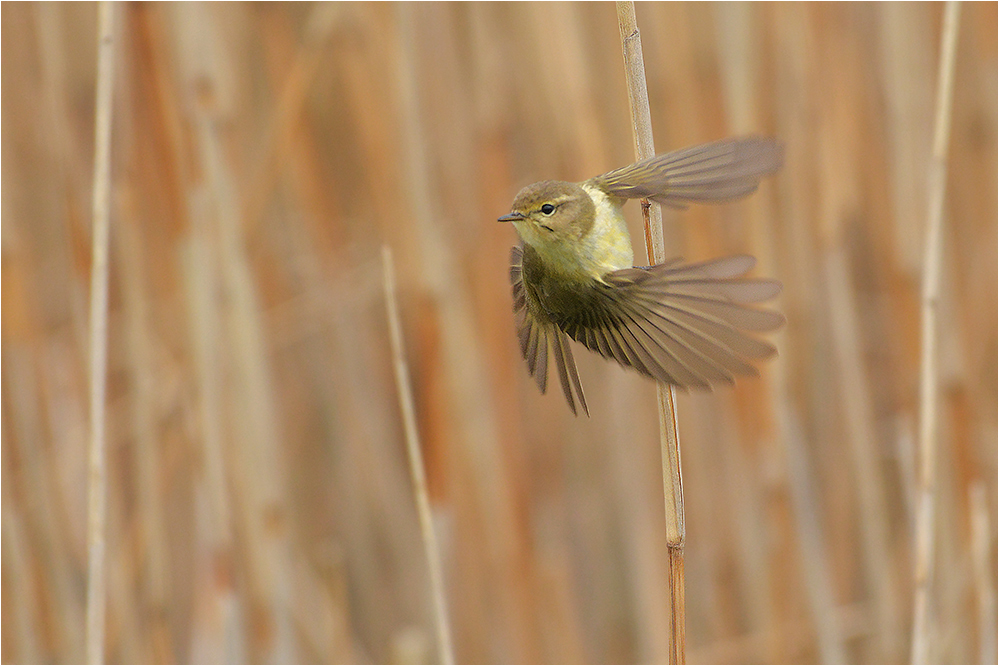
(551,213)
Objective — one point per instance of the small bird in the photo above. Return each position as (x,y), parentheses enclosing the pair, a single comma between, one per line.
(683,324)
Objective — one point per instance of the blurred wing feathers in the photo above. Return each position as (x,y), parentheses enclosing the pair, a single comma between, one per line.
(719,171)
(685,325)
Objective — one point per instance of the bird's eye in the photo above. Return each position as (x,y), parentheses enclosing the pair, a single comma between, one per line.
(547,209)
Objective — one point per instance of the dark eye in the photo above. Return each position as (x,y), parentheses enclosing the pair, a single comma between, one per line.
(547,209)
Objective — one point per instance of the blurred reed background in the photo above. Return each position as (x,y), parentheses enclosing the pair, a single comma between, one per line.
(259,505)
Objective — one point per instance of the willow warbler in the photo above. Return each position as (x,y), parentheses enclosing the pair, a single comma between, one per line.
(572,275)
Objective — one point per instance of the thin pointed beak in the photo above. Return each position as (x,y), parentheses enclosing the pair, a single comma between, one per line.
(511,217)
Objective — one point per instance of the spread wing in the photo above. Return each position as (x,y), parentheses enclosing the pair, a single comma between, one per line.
(537,334)
(686,325)
(719,171)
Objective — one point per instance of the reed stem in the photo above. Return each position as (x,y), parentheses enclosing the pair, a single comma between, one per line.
(673,489)
(929,372)
(97,466)
(416,461)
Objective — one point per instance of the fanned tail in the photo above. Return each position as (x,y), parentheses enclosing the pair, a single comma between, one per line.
(536,337)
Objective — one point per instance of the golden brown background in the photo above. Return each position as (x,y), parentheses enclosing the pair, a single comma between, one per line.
(260,507)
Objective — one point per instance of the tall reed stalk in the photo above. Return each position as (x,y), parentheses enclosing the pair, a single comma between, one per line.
(416,460)
(929,372)
(673,489)
(256,503)
(97,475)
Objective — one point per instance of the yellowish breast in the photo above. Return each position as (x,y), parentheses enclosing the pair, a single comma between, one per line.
(604,248)
(607,247)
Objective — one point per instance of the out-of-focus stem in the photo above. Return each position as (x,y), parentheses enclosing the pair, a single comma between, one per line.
(930,298)
(416,460)
(97,467)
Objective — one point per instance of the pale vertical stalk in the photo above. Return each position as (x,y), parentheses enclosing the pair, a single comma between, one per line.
(930,295)
(22,587)
(254,463)
(257,473)
(219,613)
(469,400)
(984,591)
(97,468)
(416,461)
(153,567)
(673,491)
(862,449)
(817,581)
(336,630)
(277,142)
(740,67)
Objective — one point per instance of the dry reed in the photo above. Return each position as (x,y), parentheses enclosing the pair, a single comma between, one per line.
(416,461)
(929,373)
(985,591)
(673,488)
(257,508)
(97,480)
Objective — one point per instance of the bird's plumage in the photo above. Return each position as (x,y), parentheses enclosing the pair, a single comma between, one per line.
(716,172)
(683,324)
(689,325)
